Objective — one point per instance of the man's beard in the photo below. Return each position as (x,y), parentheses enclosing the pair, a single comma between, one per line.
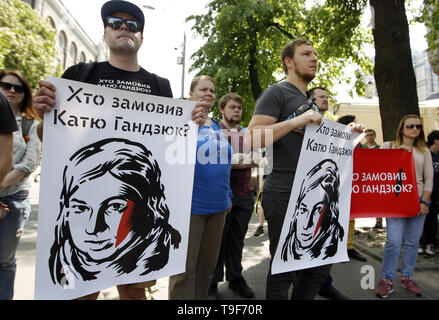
(306,77)
(232,121)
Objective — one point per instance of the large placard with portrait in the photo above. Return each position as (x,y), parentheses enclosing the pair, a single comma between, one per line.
(116,188)
(315,228)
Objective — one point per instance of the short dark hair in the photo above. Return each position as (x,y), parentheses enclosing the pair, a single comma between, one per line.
(434,135)
(312,90)
(289,50)
(346,119)
(370,130)
(227,97)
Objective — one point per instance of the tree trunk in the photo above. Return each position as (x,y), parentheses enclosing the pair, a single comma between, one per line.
(253,72)
(394,75)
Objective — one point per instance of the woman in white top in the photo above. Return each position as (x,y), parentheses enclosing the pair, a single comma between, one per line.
(406,232)
(14,189)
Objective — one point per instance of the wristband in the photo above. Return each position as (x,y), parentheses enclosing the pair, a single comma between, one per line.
(427,203)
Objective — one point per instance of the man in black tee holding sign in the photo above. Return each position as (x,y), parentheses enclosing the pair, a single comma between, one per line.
(275,114)
(123,33)
(281,114)
(124,23)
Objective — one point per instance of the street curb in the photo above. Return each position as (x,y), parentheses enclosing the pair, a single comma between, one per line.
(368,251)
(378,257)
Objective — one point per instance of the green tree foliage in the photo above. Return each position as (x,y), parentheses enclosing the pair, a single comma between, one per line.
(430,16)
(244,39)
(26,41)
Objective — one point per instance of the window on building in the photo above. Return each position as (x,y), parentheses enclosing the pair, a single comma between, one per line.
(82,57)
(62,47)
(73,53)
(52,22)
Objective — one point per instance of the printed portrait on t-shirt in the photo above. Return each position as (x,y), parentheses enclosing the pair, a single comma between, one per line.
(315,229)
(113,216)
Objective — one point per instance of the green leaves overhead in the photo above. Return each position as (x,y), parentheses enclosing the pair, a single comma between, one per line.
(244,39)
(430,16)
(26,41)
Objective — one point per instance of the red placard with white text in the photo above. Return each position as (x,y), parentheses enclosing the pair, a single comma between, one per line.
(384,184)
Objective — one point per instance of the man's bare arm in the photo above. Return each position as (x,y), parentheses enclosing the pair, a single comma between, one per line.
(44,101)
(264,131)
(6,155)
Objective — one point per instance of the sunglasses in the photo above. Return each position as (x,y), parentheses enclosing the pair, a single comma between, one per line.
(116,23)
(7,87)
(412,126)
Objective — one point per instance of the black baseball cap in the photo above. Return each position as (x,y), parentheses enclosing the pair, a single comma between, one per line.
(113,6)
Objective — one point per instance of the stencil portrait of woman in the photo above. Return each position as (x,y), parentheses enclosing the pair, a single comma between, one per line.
(315,229)
(113,217)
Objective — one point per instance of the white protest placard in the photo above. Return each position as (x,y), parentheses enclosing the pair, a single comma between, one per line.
(316,224)
(116,187)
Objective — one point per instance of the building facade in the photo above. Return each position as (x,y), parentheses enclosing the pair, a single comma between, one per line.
(366,109)
(73,45)
(367,112)
(426,80)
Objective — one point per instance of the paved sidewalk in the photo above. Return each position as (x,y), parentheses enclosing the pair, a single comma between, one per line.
(357,280)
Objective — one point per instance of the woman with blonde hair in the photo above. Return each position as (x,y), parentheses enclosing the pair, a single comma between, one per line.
(406,232)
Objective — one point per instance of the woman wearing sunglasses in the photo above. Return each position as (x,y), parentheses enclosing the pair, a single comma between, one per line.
(14,189)
(406,232)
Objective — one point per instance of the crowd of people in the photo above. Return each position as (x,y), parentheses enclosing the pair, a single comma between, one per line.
(223,196)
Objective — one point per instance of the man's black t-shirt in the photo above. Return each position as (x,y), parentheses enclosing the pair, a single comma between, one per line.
(7,118)
(104,74)
(280,101)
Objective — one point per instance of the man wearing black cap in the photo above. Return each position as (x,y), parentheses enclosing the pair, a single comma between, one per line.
(124,23)
(123,33)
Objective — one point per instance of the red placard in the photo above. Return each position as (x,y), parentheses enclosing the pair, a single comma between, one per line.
(384,184)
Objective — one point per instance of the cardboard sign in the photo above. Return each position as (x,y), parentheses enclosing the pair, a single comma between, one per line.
(112,209)
(384,184)
(315,228)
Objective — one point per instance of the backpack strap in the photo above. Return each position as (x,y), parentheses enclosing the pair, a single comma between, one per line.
(280,86)
(26,124)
